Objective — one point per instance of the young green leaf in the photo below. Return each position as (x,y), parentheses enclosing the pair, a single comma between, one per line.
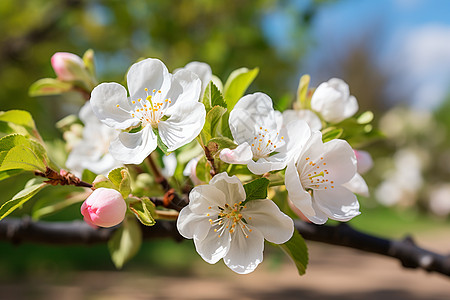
(10,141)
(302,91)
(48,86)
(19,117)
(22,157)
(9,173)
(161,144)
(331,133)
(142,210)
(223,142)
(125,242)
(296,248)
(213,97)
(237,83)
(256,189)
(31,188)
(121,180)
(213,118)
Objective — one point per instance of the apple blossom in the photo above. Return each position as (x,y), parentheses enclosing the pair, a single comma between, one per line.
(104,208)
(224,226)
(159,101)
(314,180)
(91,152)
(263,145)
(333,101)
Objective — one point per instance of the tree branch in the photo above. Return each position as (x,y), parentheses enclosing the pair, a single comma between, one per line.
(78,232)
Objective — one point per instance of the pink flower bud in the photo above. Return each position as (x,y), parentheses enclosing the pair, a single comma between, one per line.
(104,208)
(67,66)
(364,161)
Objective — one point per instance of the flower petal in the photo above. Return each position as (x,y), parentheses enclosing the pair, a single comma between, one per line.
(202,70)
(351,107)
(357,185)
(133,148)
(183,125)
(186,87)
(191,225)
(266,217)
(149,73)
(297,135)
(104,100)
(231,187)
(242,154)
(338,204)
(250,113)
(306,115)
(212,248)
(206,199)
(340,160)
(297,194)
(264,165)
(245,254)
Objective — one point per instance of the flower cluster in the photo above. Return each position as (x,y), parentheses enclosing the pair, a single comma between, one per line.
(245,143)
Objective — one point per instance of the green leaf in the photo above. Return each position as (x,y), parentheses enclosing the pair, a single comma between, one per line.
(237,83)
(9,173)
(89,62)
(31,188)
(223,129)
(142,209)
(13,140)
(120,177)
(223,142)
(303,90)
(202,170)
(296,248)
(48,86)
(103,182)
(213,118)
(213,97)
(161,144)
(19,117)
(331,133)
(256,189)
(22,157)
(125,242)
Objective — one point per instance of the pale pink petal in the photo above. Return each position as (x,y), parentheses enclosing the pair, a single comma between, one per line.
(338,204)
(242,154)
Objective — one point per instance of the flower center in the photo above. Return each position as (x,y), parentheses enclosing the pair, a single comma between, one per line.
(315,174)
(149,110)
(230,218)
(266,142)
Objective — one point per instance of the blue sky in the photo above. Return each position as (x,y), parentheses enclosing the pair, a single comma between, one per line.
(408,39)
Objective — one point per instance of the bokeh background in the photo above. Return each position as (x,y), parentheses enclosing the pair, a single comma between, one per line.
(394,54)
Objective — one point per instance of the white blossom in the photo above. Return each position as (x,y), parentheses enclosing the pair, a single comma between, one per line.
(224,226)
(333,101)
(158,101)
(263,145)
(91,152)
(315,179)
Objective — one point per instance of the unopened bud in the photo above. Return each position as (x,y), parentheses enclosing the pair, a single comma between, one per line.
(68,66)
(104,208)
